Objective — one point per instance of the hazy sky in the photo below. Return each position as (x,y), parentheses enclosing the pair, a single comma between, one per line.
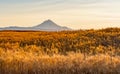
(75,14)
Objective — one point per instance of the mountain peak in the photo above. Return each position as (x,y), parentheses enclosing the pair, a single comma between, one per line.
(47,25)
(48,20)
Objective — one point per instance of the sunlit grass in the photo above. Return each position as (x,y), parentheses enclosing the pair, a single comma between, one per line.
(19,62)
(66,52)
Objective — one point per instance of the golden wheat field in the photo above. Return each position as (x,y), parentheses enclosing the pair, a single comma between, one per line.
(65,52)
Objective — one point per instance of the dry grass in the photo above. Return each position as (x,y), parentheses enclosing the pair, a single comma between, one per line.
(66,52)
(20,62)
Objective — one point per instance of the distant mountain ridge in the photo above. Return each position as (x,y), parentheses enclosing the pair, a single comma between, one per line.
(47,25)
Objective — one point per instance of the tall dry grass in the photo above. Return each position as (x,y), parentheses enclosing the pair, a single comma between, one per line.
(66,52)
(20,62)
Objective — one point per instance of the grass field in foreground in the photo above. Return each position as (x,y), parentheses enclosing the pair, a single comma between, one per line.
(66,52)
(19,62)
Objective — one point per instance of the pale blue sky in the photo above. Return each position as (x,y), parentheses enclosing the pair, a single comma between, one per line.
(75,14)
